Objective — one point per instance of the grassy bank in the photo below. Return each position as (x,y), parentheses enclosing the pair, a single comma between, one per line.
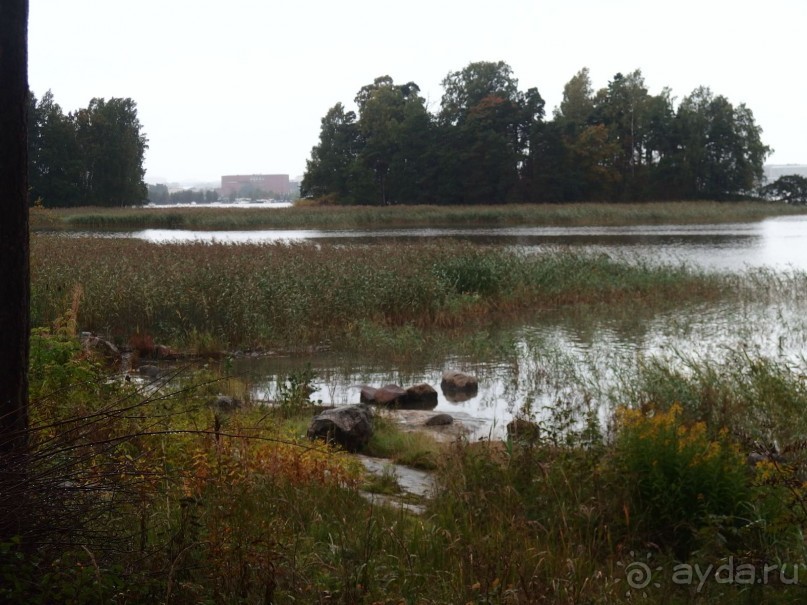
(141,496)
(207,296)
(369,217)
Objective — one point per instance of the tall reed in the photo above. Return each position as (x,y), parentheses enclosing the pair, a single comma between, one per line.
(302,294)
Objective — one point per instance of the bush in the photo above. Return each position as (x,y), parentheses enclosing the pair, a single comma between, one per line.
(678,480)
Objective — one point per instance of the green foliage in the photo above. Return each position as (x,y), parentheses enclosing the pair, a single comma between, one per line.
(476,272)
(790,188)
(293,393)
(93,156)
(678,479)
(413,449)
(760,398)
(489,143)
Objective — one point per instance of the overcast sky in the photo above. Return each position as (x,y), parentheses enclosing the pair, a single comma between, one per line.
(240,87)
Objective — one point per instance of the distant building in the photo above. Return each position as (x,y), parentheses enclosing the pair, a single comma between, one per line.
(245,185)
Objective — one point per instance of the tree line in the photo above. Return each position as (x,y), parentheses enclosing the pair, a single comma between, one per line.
(92,156)
(491,142)
(159,194)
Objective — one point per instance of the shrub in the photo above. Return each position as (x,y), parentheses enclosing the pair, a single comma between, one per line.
(678,480)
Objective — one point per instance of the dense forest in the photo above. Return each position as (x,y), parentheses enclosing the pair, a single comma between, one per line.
(89,157)
(491,142)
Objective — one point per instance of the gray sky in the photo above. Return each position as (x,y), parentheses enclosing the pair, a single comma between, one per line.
(240,86)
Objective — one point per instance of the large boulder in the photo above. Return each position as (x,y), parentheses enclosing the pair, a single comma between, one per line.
(458,386)
(417,397)
(98,347)
(350,426)
(421,396)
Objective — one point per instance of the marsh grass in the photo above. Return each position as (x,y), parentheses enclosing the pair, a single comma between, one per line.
(207,296)
(370,217)
(409,448)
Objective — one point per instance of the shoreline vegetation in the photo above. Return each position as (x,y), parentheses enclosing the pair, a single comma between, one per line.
(692,472)
(305,215)
(153,494)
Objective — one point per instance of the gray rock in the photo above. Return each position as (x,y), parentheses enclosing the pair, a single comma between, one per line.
(226,403)
(103,348)
(350,426)
(388,395)
(367,394)
(440,420)
(150,371)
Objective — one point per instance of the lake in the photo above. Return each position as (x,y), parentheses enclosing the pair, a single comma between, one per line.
(778,243)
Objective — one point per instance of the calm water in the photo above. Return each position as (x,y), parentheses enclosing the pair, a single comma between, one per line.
(778,243)
(565,359)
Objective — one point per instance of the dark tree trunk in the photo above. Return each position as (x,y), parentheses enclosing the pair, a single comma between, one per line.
(14,276)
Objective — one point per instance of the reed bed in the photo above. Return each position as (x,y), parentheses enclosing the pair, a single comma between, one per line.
(372,217)
(279,295)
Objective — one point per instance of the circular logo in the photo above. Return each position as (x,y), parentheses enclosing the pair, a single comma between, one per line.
(638,575)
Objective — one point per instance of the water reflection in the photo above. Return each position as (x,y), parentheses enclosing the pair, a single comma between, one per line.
(778,242)
(562,362)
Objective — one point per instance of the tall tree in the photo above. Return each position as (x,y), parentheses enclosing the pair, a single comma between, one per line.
(721,154)
(112,148)
(391,120)
(14,267)
(55,163)
(468,87)
(622,107)
(577,105)
(333,168)
(492,124)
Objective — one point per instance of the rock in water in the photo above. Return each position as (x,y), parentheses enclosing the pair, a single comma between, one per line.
(351,426)
(458,382)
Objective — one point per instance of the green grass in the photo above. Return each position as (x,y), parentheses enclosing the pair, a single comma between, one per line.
(207,296)
(414,449)
(370,217)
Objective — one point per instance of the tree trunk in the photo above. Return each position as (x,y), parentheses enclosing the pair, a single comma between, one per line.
(14,271)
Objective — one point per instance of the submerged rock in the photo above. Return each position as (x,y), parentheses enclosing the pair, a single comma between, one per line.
(351,426)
